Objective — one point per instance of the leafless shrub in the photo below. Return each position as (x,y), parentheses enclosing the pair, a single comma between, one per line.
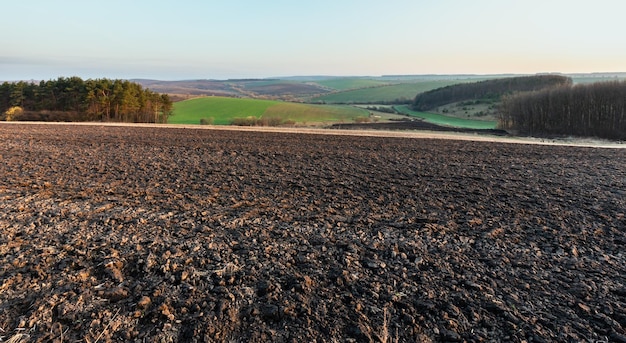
(207,121)
(253,121)
(362,120)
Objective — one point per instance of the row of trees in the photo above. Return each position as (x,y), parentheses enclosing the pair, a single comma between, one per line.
(91,100)
(489,89)
(591,110)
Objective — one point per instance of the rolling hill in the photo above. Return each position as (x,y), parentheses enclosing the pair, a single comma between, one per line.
(381,94)
(223,111)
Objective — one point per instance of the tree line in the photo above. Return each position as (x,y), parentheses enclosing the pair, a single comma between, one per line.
(74,99)
(489,89)
(591,110)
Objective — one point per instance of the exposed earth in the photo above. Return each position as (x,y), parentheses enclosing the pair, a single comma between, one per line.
(180,235)
(414,125)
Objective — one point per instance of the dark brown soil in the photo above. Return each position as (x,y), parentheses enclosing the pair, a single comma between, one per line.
(415,125)
(177,235)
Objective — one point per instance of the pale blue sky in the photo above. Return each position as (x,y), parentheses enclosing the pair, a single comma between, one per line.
(184,39)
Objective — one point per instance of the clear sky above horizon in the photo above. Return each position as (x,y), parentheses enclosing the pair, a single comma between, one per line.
(187,39)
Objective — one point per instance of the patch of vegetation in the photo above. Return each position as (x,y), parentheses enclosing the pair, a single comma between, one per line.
(361,120)
(12,113)
(207,121)
(480,109)
(254,121)
(446,120)
(385,109)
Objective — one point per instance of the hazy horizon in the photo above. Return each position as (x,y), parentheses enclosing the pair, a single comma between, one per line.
(245,39)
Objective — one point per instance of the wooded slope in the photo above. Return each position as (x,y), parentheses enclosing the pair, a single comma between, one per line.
(591,110)
(73,99)
(489,89)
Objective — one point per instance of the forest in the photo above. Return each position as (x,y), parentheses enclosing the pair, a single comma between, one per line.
(74,99)
(589,110)
(489,89)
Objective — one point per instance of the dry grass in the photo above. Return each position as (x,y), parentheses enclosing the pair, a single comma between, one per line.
(19,338)
(107,326)
(384,336)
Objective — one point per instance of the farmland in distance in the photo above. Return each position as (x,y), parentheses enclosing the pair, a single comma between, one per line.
(387,93)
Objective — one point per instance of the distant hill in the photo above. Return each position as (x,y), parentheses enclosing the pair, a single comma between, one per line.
(189,87)
(334,89)
(386,93)
(314,89)
(249,88)
(281,89)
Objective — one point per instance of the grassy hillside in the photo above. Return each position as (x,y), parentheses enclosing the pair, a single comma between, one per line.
(448,121)
(384,94)
(305,113)
(222,111)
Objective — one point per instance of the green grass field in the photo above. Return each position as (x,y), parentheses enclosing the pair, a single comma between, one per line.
(384,94)
(448,121)
(222,111)
(305,113)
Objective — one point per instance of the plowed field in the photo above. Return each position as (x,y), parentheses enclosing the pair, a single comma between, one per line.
(181,235)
